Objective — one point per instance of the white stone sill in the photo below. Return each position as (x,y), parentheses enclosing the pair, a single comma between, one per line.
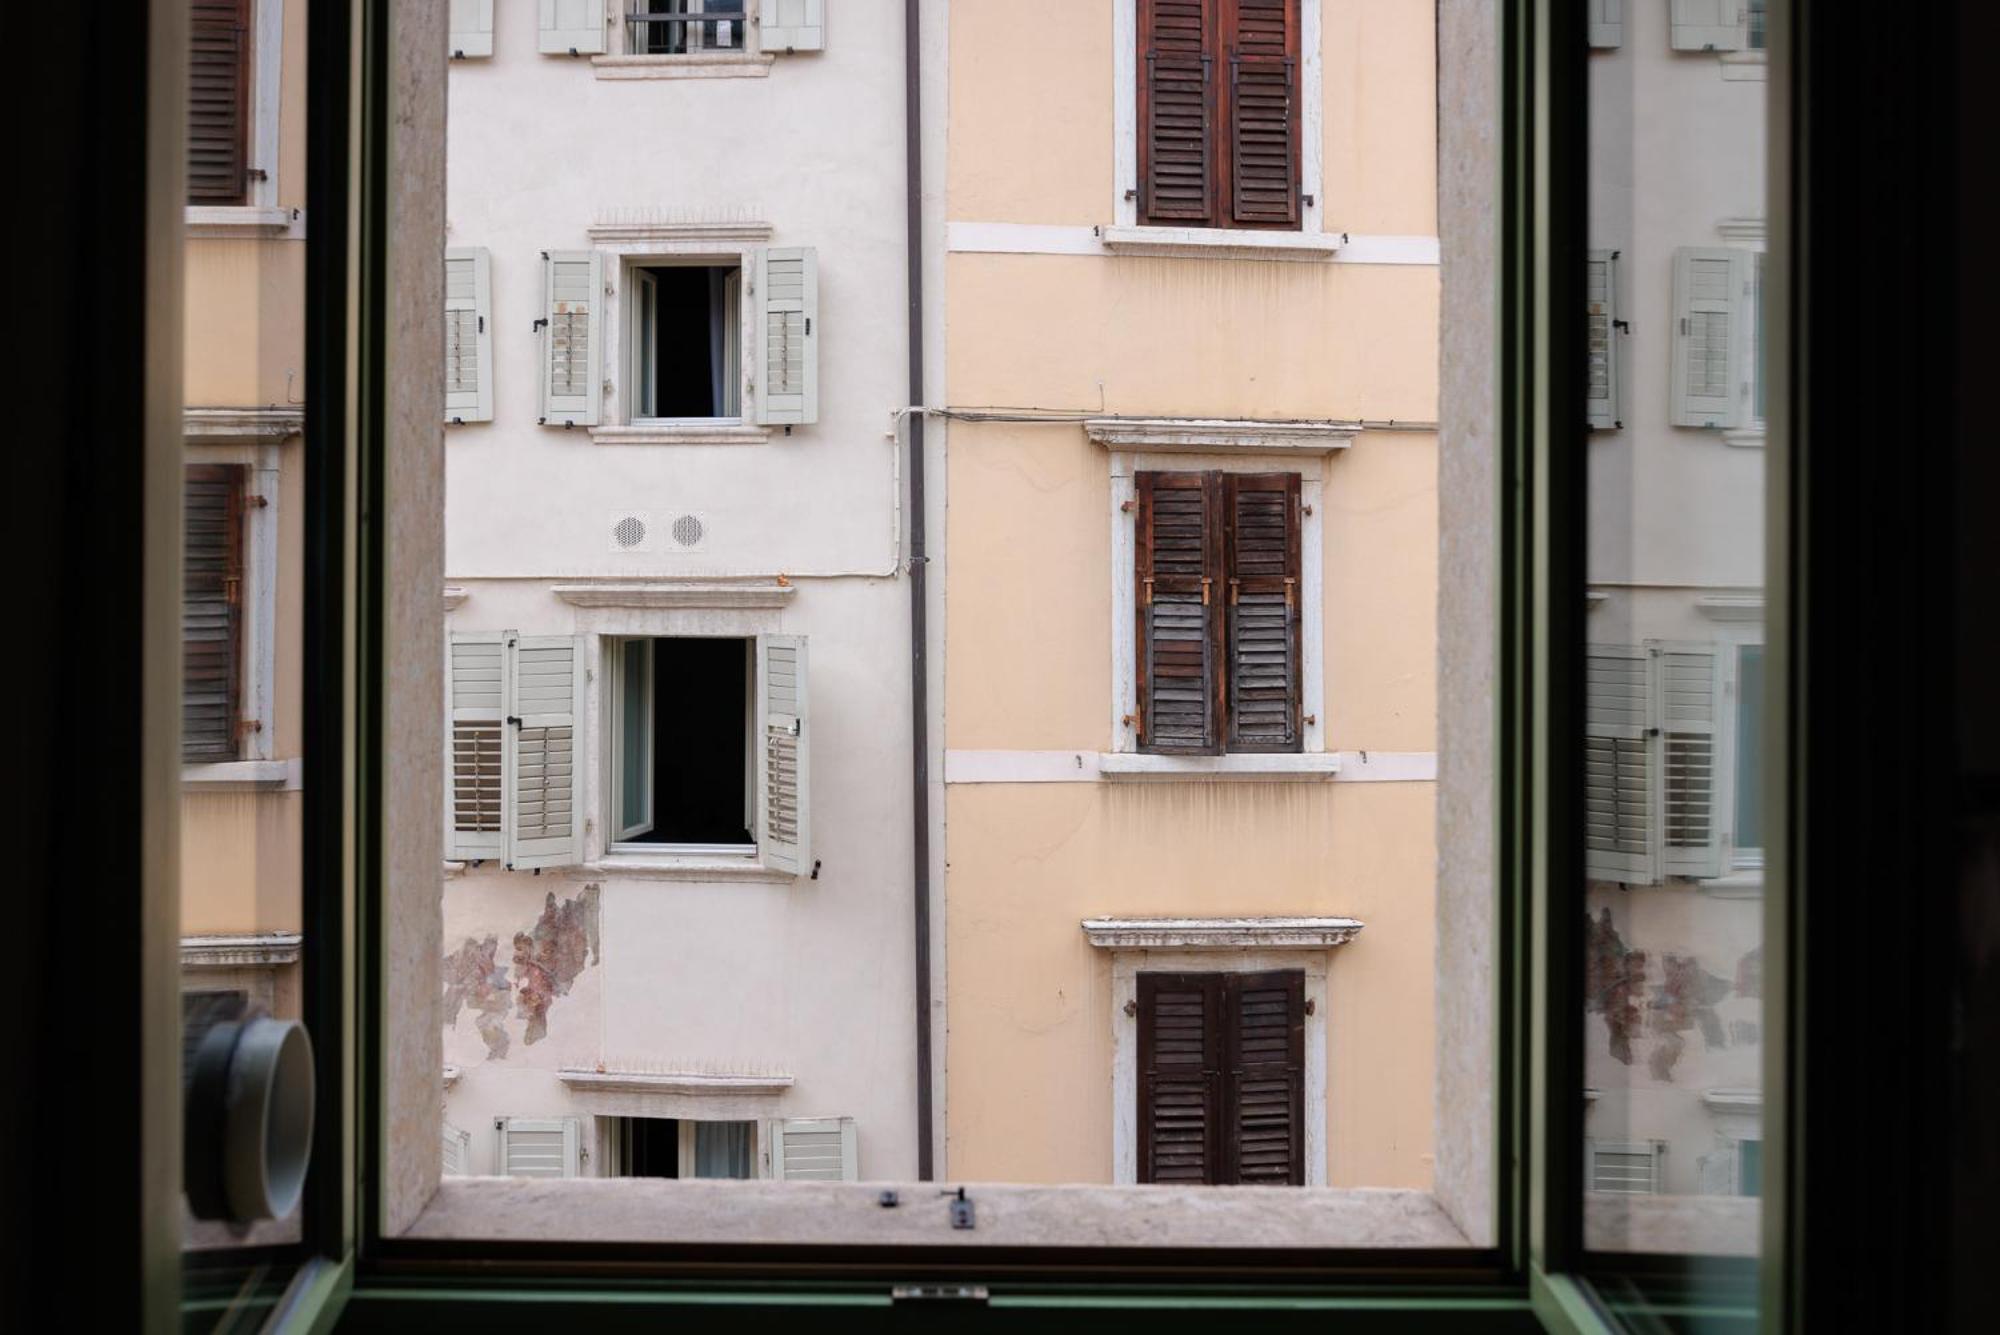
(697,65)
(1743,883)
(1289,767)
(212,221)
(240,775)
(677,433)
(654,1210)
(1221,242)
(638,867)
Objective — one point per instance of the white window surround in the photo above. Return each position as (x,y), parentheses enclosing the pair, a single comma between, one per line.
(250,438)
(259,214)
(686,1095)
(622,62)
(1748,234)
(1311,240)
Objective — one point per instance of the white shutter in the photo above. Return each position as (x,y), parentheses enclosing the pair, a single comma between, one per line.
(471,29)
(1607,22)
(1625,1168)
(572,27)
(1601,308)
(1687,695)
(784,745)
(794,25)
(468,337)
(457,1151)
(572,337)
(1710,301)
(787,334)
(1620,765)
(538,1146)
(1706,25)
(545,705)
(475,746)
(814,1149)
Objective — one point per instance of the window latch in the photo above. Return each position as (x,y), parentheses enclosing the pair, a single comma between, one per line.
(541,324)
(514,719)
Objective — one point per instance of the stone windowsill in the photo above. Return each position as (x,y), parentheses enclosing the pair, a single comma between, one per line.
(680,433)
(1221,243)
(213,221)
(243,775)
(649,867)
(695,65)
(1292,767)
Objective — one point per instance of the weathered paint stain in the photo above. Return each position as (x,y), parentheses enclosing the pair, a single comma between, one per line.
(1686,999)
(548,959)
(473,977)
(1614,980)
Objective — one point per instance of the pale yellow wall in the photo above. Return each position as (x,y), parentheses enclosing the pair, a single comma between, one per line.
(245,322)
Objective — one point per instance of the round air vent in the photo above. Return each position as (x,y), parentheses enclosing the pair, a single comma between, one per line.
(630,532)
(688,530)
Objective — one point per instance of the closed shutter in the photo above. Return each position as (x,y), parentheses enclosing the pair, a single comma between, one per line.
(1178,566)
(814,1149)
(1177,111)
(468,346)
(1619,765)
(1625,1168)
(1264,1102)
(1260,113)
(1710,292)
(545,815)
(794,25)
(572,27)
(1688,690)
(1261,557)
(572,337)
(1607,22)
(1705,25)
(539,1146)
(475,748)
(212,612)
(218,166)
(788,300)
(1601,313)
(1180,1078)
(471,29)
(784,748)
(457,1147)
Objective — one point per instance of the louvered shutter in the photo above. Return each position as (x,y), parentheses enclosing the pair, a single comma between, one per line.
(457,1151)
(572,337)
(1607,22)
(468,345)
(1260,110)
(476,746)
(1708,362)
(1178,565)
(1180,1078)
(211,612)
(814,1149)
(1601,312)
(471,29)
(539,1146)
(572,27)
(1177,111)
(794,25)
(788,319)
(1261,560)
(784,747)
(218,165)
(545,702)
(1264,1096)
(1620,765)
(1625,1168)
(1705,25)
(1688,691)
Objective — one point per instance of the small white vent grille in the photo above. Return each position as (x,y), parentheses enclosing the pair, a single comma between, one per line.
(630,531)
(689,530)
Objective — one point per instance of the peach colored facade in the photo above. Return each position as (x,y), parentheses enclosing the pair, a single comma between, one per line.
(1050,305)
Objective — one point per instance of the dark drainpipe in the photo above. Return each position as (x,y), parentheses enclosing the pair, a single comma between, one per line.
(920,770)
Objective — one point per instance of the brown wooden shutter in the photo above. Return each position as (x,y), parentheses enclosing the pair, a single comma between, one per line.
(1261,555)
(1259,120)
(212,612)
(1180,1078)
(1177,111)
(1264,1102)
(218,166)
(1180,653)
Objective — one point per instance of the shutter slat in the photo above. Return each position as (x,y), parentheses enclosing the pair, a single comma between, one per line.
(1178,566)
(571,337)
(1618,765)
(1176,72)
(476,746)
(1266,1077)
(1180,1078)
(218,169)
(1260,111)
(784,754)
(212,612)
(545,692)
(1263,566)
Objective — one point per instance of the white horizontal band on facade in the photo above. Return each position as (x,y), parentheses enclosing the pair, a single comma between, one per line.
(1096,766)
(1059,239)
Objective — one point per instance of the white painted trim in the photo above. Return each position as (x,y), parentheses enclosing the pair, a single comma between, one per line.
(266,775)
(969,767)
(1010,238)
(660,431)
(1730,606)
(1221,242)
(238,222)
(1211,435)
(1126,965)
(1384,248)
(1005,238)
(1744,437)
(454,597)
(694,65)
(1749,233)
(1746,66)
(260,950)
(679,594)
(616,866)
(1734,1100)
(625,243)
(1740,884)
(1279,933)
(268,52)
(647,233)
(1132,766)
(225,425)
(693,1084)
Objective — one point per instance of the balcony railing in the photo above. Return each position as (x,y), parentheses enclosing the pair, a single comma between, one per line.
(692,30)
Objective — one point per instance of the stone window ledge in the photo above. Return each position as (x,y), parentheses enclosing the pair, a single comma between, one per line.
(637,867)
(242,776)
(256,950)
(695,65)
(1278,933)
(1221,243)
(218,221)
(1217,435)
(1133,766)
(680,433)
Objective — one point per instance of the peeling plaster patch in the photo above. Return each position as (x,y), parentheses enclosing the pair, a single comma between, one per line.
(472,977)
(1685,999)
(548,959)
(1750,974)
(1614,980)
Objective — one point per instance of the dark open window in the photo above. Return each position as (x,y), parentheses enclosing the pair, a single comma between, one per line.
(687,322)
(212,612)
(680,742)
(1222,1078)
(218,155)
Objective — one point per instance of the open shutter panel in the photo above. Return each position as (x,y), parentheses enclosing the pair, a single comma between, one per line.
(468,346)
(814,1149)
(784,812)
(1705,25)
(1607,22)
(1620,777)
(572,337)
(1178,564)
(471,29)
(218,165)
(1261,557)
(788,299)
(1688,691)
(794,25)
(572,27)
(545,819)
(1601,310)
(1707,359)
(476,747)
(539,1146)
(212,612)
(1176,110)
(1180,1078)
(457,1147)
(1265,1108)
(1260,40)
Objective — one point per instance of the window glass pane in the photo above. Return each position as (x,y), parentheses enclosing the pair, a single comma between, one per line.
(722,1149)
(636,737)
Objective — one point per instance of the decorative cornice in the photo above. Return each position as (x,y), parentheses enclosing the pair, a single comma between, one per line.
(675,1082)
(640,232)
(262,950)
(1215,435)
(233,425)
(1731,606)
(454,597)
(1219,933)
(692,593)
(1221,243)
